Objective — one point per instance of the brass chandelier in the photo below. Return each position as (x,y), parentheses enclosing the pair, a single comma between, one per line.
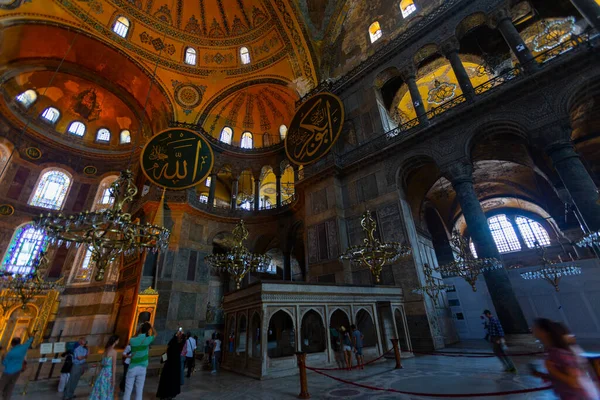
(239,260)
(106,233)
(373,253)
(23,288)
(465,265)
(433,286)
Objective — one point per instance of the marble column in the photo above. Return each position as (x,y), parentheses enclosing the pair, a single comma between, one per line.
(450,49)
(578,182)
(515,41)
(278,188)
(287,266)
(590,11)
(256,194)
(409,76)
(234,193)
(507,306)
(211,189)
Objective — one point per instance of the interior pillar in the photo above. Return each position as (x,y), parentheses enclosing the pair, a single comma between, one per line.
(278,188)
(409,76)
(256,194)
(590,11)
(450,49)
(234,193)
(287,266)
(515,41)
(212,189)
(501,291)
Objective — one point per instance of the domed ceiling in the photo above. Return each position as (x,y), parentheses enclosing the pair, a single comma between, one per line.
(155,43)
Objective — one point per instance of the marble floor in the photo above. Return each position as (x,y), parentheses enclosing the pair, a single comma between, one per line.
(423,374)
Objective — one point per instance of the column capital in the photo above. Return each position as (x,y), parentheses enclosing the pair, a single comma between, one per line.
(498,16)
(449,46)
(458,171)
(408,71)
(552,134)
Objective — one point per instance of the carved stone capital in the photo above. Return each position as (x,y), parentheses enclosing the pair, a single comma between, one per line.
(449,46)
(498,16)
(408,72)
(551,135)
(458,171)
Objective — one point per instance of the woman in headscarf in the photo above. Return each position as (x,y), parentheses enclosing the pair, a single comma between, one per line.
(169,384)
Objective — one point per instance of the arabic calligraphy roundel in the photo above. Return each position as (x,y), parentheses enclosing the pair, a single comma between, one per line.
(177,159)
(315,128)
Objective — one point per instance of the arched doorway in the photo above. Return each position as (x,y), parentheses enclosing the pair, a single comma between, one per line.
(281,339)
(241,336)
(338,319)
(364,323)
(402,340)
(255,336)
(18,324)
(312,333)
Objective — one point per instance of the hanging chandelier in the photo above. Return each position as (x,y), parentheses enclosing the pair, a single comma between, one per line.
(590,240)
(433,286)
(465,265)
(549,270)
(18,288)
(106,233)
(238,261)
(373,253)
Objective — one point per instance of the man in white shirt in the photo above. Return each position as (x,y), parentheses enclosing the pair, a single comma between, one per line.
(189,355)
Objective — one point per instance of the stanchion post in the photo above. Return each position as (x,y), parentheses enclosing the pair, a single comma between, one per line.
(301,357)
(397,354)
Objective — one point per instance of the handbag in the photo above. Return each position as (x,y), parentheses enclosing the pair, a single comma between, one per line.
(163,358)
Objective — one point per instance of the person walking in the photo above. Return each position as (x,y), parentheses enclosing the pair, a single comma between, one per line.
(14,363)
(190,351)
(498,342)
(136,375)
(347,347)
(357,341)
(216,353)
(170,377)
(126,362)
(182,361)
(564,365)
(104,387)
(80,355)
(65,371)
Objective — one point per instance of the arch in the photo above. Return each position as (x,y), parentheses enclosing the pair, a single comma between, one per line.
(403,340)
(532,232)
(121,26)
(267,195)
(254,340)
(494,125)
(283,129)
(226,135)
(407,7)
(125,137)
(281,335)
(384,76)
(190,56)
(25,246)
(469,23)
(51,190)
(247,140)
(77,128)
(51,115)
(375,32)
(103,198)
(242,335)
(21,319)
(27,98)
(425,52)
(245,55)
(83,266)
(287,188)
(312,332)
(366,325)
(103,135)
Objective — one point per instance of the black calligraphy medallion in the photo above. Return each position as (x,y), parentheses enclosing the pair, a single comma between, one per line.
(315,128)
(177,159)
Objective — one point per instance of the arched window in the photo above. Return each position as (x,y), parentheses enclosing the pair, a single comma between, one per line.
(27,98)
(24,248)
(408,7)
(51,190)
(103,135)
(103,199)
(77,128)
(121,26)
(85,266)
(245,55)
(125,137)
(203,198)
(226,135)
(364,323)
(504,234)
(281,335)
(246,141)
(312,333)
(532,232)
(375,31)
(283,132)
(51,114)
(208,182)
(190,56)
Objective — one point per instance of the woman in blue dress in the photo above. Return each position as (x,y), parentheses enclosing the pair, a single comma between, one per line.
(105,382)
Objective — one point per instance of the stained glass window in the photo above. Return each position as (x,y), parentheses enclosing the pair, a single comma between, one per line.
(190,56)
(504,234)
(85,267)
(226,135)
(103,198)
(245,55)
(51,114)
(121,26)
(77,128)
(408,7)
(532,232)
(27,98)
(24,248)
(51,190)
(283,132)
(246,140)
(375,31)
(103,135)
(125,137)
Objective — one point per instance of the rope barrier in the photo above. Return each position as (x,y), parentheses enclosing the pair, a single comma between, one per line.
(354,366)
(475,354)
(445,395)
